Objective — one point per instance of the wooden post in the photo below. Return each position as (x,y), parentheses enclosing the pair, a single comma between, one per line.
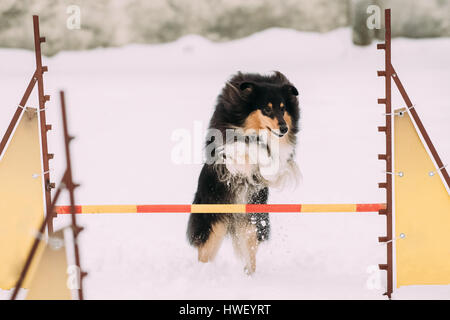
(387,101)
(44,128)
(70,185)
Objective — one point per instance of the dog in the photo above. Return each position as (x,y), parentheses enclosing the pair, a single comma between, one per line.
(258,115)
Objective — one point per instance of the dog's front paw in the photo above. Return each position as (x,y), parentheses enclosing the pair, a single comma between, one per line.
(236,159)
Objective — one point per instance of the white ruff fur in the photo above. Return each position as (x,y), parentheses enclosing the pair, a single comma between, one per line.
(250,167)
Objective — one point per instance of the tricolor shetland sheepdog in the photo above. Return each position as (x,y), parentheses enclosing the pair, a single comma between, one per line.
(250,147)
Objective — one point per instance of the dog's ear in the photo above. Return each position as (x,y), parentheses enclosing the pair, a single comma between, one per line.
(290,89)
(247,87)
(281,78)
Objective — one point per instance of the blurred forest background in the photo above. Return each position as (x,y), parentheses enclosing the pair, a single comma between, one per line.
(106,23)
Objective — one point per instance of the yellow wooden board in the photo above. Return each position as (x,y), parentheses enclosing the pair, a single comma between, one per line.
(48,281)
(422,212)
(21,198)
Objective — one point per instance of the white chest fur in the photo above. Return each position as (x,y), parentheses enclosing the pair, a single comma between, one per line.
(267,161)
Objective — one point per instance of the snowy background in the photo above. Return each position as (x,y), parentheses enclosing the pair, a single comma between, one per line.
(108,23)
(124,105)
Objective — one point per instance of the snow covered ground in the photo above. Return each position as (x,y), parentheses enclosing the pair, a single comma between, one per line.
(125,103)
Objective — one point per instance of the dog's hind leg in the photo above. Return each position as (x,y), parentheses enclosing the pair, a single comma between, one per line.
(208,250)
(245,243)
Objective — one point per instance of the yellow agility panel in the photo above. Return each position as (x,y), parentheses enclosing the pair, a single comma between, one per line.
(49,279)
(109,209)
(422,212)
(328,207)
(21,198)
(218,208)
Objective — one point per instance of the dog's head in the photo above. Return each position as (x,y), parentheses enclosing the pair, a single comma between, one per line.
(270,106)
(261,102)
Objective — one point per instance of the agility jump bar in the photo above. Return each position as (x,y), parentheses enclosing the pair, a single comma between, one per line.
(224,208)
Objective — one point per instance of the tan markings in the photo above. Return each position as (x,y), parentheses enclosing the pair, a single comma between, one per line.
(288,119)
(270,104)
(208,250)
(245,244)
(281,104)
(256,121)
(253,121)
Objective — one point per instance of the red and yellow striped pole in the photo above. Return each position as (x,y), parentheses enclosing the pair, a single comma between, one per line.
(224,208)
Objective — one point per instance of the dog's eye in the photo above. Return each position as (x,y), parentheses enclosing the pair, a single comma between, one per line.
(282,108)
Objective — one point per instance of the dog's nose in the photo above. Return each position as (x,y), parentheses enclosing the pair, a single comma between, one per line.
(283,128)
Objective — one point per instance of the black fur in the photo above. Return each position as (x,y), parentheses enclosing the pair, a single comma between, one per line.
(242,95)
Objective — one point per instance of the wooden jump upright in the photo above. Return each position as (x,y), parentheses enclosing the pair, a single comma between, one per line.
(390,73)
(66,182)
(387,129)
(43,98)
